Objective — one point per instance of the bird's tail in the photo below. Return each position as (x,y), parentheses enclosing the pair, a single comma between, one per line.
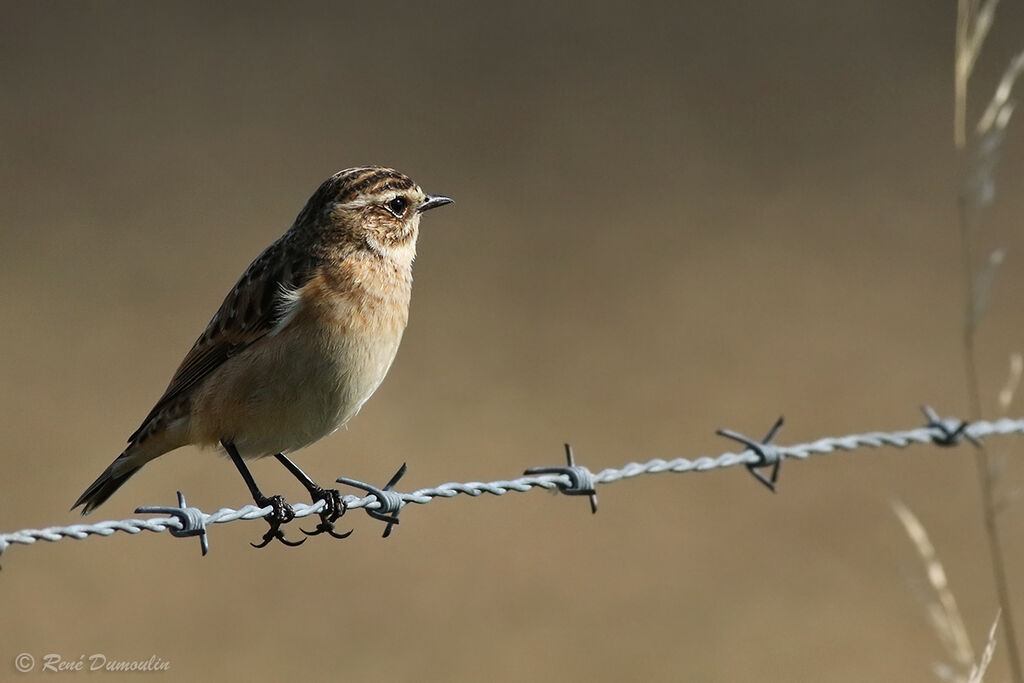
(128,463)
(116,474)
(138,453)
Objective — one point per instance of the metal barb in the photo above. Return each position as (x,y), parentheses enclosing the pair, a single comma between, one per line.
(192,521)
(581,479)
(390,502)
(768,454)
(950,429)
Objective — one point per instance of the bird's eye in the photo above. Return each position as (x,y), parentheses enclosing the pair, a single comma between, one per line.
(397,206)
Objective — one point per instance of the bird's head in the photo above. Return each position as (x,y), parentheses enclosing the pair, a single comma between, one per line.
(376,209)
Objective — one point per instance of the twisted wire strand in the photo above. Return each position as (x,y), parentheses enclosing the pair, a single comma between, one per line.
(187,521)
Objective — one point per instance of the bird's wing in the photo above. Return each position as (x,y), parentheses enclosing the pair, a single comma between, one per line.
(250,311)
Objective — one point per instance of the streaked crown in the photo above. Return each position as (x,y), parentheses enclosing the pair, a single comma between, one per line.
(375,206)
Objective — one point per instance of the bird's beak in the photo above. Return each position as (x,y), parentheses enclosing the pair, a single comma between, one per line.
(433,201)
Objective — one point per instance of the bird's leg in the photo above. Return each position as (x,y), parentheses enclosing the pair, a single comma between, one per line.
(283,512)
(334,504)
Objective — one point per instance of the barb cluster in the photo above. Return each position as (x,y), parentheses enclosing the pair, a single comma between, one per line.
(384,504)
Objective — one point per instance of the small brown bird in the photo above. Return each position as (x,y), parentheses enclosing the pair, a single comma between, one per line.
(299,344)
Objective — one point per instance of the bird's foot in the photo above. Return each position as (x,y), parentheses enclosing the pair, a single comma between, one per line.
(334,508)
(282,514)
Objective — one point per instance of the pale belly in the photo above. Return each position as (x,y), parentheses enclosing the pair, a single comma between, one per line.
(290,390)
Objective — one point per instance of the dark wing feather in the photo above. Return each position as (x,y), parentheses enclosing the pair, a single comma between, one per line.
(248,313)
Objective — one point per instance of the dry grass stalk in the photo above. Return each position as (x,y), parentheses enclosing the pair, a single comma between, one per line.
(973,21)
(978,671)
(1009,391)
(943,613)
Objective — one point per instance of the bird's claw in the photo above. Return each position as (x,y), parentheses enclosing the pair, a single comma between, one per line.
(273,533)
(282,514)
(334,507)
(325,527)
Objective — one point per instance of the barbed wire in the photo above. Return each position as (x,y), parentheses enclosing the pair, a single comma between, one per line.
(384,504)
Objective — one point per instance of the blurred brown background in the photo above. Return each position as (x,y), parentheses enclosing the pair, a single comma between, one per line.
(670,218)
